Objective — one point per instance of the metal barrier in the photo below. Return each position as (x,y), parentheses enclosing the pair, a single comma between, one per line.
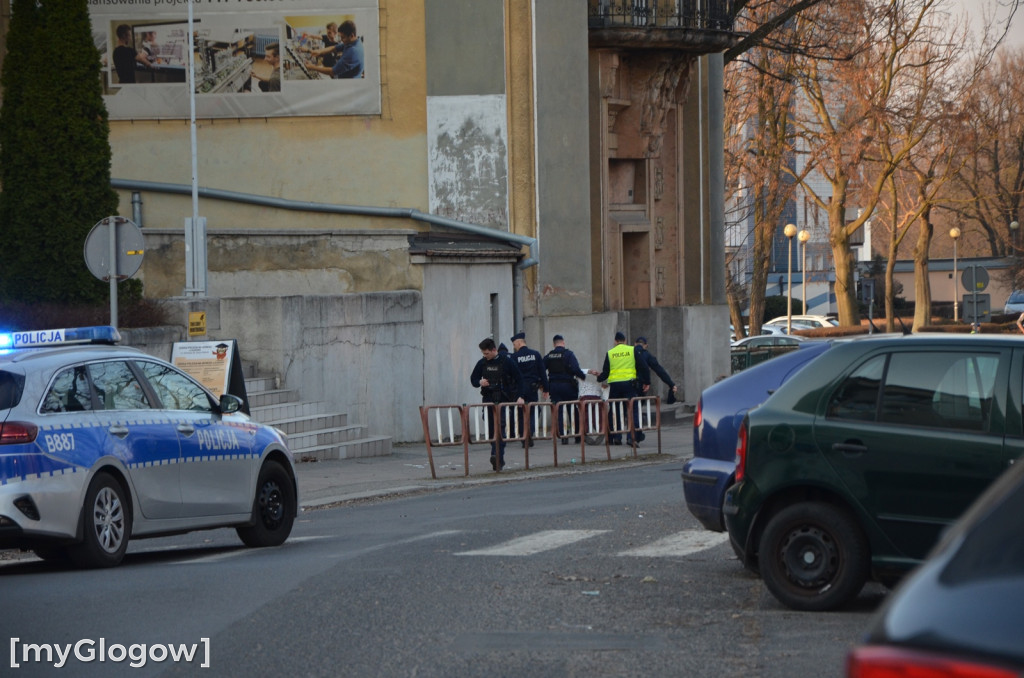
(474,414)
(466,425)
(568,413)
(446,436)
(648,417)
(541,424)
(620,420)
(582,418)
(595,423)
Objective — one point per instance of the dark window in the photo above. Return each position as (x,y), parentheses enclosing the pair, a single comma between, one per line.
(175,390)
(937,389)
(940,390)
(117,387)
(963,396)
(70,392)
(11,386)
(857,397)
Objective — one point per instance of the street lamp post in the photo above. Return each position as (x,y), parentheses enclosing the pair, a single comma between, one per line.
(790,231)
(803,236)
(954,233)
(1014,225)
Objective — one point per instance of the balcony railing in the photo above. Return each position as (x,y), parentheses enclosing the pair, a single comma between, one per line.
(692,14)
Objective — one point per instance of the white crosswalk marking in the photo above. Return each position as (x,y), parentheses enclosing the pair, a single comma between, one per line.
(535,543)
(679,544)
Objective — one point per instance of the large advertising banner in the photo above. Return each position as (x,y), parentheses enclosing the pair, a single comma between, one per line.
(253,58)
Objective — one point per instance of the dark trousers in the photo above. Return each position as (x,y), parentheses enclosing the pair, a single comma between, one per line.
(622,389)
(528,397)
(494,431)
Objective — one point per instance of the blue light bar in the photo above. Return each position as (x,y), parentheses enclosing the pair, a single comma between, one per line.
(100,334)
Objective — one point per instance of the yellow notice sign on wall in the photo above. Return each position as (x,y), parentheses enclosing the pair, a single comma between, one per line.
(196,323)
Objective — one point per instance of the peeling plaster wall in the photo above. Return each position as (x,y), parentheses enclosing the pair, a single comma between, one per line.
(468,158)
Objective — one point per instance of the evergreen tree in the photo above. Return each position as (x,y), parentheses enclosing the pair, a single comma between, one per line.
(54,154)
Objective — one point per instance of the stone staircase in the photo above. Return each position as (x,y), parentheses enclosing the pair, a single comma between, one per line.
(316,430)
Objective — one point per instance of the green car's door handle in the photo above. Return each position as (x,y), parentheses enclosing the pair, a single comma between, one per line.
(850,448)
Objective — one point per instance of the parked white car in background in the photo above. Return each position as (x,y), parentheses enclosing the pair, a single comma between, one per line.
(1015,303)
(810,320)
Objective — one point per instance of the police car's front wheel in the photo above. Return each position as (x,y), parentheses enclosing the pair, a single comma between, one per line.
(273,508)
(106,524)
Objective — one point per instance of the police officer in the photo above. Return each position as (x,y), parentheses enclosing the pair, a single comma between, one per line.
(531,368)
(627,376)
(640,346)
(563,369)
(499,381)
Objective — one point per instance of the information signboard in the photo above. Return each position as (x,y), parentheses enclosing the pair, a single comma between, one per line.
(214,364)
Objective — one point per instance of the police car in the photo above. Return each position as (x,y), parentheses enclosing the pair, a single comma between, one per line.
(100,444)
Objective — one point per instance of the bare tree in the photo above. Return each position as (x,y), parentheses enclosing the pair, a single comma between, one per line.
(920,140)
(991,181)
(870,111)
(861,81)
(759,156)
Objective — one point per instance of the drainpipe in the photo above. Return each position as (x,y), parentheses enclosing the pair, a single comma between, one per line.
(137,208)
(388,212)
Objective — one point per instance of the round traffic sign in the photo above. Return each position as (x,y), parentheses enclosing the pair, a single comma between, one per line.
(974,278)
(124,258)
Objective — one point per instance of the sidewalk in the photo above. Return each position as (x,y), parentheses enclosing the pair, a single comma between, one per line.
(407,469)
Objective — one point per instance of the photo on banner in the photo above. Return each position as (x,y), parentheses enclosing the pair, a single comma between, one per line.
(286,58)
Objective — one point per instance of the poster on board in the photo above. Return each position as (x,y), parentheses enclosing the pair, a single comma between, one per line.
(214,364)
(252,59)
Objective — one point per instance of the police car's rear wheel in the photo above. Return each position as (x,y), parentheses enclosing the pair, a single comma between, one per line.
(273,508)
(106,524)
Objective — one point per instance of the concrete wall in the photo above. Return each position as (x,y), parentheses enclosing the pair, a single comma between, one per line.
(691,342)
(361,352)
(457,315)
(563,158)
(380,356)
(156,341)
(256,263)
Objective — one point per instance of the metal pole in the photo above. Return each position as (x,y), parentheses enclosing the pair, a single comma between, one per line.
(789,291)
(112,223)
(789,231)
(190,256)
(803,272)
(974,292)
(955,315)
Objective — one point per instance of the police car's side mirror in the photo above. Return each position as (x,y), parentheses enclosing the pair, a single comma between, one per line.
(230,403)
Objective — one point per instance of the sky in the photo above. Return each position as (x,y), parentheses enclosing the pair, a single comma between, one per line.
(976,11)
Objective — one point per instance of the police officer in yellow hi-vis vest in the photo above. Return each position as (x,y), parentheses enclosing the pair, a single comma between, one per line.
(628,377)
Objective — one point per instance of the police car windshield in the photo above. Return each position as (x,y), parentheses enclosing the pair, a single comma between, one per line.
(11,386)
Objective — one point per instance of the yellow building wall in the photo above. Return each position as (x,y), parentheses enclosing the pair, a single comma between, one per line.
(373,160)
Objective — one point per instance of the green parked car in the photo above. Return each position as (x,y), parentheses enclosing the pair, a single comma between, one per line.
(852,470)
